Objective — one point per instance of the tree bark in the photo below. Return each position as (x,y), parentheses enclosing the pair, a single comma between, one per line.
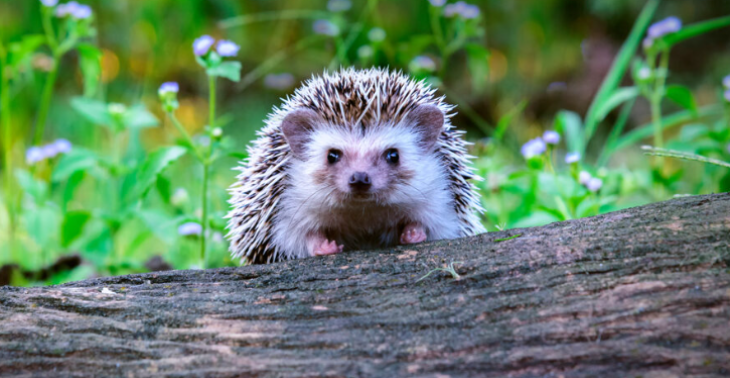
(643,292)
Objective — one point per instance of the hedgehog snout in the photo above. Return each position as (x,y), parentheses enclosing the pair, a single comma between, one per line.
(360,182)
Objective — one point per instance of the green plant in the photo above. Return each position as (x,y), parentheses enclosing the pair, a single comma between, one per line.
(215,66)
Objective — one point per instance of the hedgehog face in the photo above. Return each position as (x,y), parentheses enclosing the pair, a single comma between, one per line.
(361,164)
(362,167)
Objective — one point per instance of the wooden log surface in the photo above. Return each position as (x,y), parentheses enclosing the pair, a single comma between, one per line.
(643,292)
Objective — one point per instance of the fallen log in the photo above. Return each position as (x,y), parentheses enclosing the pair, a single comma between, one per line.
(643,292)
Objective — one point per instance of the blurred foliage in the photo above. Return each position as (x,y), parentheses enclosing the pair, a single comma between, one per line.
(131,180)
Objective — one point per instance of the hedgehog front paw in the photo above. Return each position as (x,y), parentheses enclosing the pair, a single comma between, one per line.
(327,248)
(413,233)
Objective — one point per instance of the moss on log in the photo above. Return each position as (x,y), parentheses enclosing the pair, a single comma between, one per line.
(643,292)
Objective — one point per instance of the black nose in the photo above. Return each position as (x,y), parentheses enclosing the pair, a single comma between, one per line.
(360,181)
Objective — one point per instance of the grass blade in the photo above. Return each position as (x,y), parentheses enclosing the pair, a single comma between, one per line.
(649,150)
(696,29)
(619,67)
(646,131)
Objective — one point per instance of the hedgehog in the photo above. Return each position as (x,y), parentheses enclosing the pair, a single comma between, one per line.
(353,160)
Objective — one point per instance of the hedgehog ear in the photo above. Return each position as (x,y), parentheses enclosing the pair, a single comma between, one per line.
(428,120)
(297,126)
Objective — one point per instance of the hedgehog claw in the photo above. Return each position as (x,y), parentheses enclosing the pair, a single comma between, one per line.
(413,233)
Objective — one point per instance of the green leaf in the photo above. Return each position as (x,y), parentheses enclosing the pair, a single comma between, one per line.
(229,70)
(138,117)
(24,49)
(72,226)
(90,64)
(682,96)
(238,155)
(32,186)
(76,160)
(96,112)
(668,122)
(618,97)
(163,226)
(153,166)
(695,29)
(72,183)
(164,188)
(570,124)
(478,63)
(620,65)
(42,224)
(692,132)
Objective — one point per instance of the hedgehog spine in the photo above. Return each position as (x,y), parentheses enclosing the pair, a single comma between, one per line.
(368,107)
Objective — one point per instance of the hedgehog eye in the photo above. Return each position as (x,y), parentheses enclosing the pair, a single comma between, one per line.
(391,156)
(333,156)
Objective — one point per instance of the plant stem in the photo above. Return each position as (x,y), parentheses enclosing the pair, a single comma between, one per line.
(438,35)
(656,98)
(48,28)
(185,135)
(46,101)
(656,118)
(206,169)
(7,146)
(50,79)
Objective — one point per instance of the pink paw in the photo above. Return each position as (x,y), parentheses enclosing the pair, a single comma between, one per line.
(327,248)
(413,233)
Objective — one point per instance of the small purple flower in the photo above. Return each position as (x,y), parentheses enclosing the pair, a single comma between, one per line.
(533,148)
(726,82)
(64,10)
(190,228)
(49,151)
(594,184)
(437,3)
(168,87)
(461,8)
(280,82)
(365,52)
(664,27)
(727,95)
(339,5)
(62,146)
(376,35)
(648,42)
(422,63)
(81,12)
(179,197)
(34,155)
(557,86)
(584,177)
(727,148)
(325,27)
(49,3)
(227,48)
(572,157)
(451,10)
(470,11)
(202,45)
(551,137)
(644,73)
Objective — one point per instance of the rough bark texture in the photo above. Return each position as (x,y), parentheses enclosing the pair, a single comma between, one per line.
(643,292)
